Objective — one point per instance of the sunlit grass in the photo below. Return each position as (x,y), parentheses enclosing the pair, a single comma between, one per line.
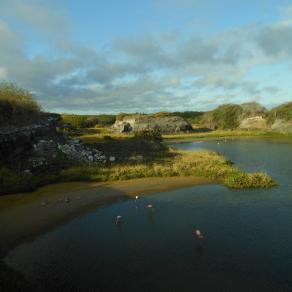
(228,134)
(184,163)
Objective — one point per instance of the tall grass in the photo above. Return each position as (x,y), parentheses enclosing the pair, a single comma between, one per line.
(17,105)
(178,164)
(182,163)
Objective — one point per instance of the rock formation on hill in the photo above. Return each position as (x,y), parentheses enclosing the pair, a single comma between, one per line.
(166,124)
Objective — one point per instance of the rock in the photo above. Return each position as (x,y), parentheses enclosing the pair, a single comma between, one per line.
(112,159)
(16,143)
(282,126)
(168,124)
(254,123)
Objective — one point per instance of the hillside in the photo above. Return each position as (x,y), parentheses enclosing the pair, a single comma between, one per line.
(246,116)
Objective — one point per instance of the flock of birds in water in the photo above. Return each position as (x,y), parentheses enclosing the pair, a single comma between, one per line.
(119,220)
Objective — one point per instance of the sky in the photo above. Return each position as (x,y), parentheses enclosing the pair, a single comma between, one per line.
(111,56)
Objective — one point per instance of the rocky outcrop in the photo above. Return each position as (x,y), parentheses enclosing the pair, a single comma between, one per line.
(40,145)
(17,142)
(255,123)
(282,126)
(170,124)
(250,116)
(46,151)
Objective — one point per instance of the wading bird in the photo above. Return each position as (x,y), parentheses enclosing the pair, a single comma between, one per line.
(119,219)
(199,234)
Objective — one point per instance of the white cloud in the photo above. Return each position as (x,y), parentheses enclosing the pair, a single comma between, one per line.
(149,72)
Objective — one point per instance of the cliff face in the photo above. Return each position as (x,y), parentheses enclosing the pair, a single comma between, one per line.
(254,123)
(171,124)
(282,126)
(41,147)
(16,143)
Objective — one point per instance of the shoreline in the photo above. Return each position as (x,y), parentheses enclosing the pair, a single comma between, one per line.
(25,216)
(225,136)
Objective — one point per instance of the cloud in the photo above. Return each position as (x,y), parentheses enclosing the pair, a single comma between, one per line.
(41,15)
(148,72)
(276,39)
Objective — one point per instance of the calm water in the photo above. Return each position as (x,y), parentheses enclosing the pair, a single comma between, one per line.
(247,246)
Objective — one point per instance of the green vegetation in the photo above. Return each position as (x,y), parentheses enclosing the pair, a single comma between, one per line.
(251,109)
(193,117)
(228,134)
(179,163)
(17,105)
(283,112)
(12,181)
(227,116)
(175,163)
(88,121)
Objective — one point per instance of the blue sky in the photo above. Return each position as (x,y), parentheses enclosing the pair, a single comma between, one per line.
(148,55)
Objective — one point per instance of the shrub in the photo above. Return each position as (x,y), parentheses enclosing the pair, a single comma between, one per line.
(17,105)
(152,134)
(192,117)
(12,181)
(283,112)
(227,116)
(88,121)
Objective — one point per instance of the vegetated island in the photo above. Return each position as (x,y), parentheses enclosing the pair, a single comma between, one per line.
(39,148)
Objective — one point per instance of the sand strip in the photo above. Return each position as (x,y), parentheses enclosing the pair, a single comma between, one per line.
(24,216)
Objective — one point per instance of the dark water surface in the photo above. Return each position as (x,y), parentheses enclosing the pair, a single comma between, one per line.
(247,246)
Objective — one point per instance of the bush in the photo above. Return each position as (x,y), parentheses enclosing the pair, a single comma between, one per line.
(192,117)
(88,121)
(154,135)
(17,105)
(283,112)
(12,182)
(240,180)
(227,116)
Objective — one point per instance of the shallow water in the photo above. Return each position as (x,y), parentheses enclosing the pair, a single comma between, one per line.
(247,246)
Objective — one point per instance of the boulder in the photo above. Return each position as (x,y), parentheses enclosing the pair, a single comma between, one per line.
(254,123)
(168,124)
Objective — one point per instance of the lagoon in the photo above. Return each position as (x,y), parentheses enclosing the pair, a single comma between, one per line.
(247,246)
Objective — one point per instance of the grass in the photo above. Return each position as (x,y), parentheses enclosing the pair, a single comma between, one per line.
(222,134)
(177,164)
(17,105)
(103,134)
